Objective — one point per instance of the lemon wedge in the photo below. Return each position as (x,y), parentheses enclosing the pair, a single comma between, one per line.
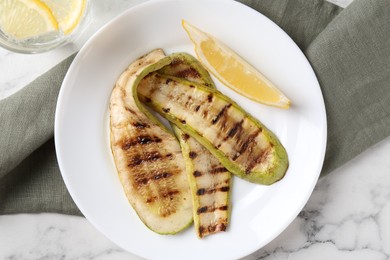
(233,71)
(23,19)
(68,13)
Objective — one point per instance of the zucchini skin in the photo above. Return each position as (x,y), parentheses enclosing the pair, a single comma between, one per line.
(148,156)
(241,142)
(210,184)
(210,181)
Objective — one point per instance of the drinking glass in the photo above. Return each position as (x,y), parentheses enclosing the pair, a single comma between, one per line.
(42,42)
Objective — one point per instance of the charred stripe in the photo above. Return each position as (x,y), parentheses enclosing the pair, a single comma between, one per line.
(203,191)
(197,173)
(188,73)
(218,170)
(185,137)
(143,180)
(210,97)
(258,160)
(247,143)
(221,113)
(192,154)
(140,140)
(148,157)
(208,209)
(237,127)
(166,194)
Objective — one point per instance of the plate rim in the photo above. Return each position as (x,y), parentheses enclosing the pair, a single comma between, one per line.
(120,16)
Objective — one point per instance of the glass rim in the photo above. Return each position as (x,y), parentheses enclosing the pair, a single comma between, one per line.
(34,46)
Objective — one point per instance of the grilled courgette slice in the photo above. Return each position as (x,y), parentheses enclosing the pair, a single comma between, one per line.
(147,156)
(240,142)
(210,181)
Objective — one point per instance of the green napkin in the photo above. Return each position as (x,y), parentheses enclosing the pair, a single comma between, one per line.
(349,50)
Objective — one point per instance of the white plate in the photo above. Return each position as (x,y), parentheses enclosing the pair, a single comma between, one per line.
(259,213)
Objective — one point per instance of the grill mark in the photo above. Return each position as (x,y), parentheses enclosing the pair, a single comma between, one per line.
(169,193)
(209,209)
(203,191)
(166,110)
(218,170)
(197,108)
(200,191)
(176,62)
(197,173)
(258,160)
(141,125)
(205,113)
(188,73)
(237,127)
(144,139)
(162,175)
(149,157)
(223,208)
(221,113)
(202,210)
(213,228)
(140,140)
(141,180)
(152,156)
(168,81)
(224,189)
(223,123)
(247,143)
(210,97)
(182,121)
(185,137)
(192,154)
(147,99)
(136,160)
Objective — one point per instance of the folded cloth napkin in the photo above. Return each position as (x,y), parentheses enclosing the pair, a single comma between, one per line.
(349,50)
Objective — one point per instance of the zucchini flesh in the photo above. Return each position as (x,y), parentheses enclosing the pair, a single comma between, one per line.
(147,156)
(240,142)
(210,184)
(210,181)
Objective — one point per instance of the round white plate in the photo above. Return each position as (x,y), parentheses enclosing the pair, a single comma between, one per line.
(259,213)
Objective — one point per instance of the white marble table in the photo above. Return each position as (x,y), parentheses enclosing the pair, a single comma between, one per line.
(347,216)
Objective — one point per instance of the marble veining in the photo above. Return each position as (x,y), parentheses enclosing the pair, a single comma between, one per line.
(347,216)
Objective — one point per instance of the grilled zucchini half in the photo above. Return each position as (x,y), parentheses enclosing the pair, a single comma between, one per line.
(210,181)
(240,142)
(147,155)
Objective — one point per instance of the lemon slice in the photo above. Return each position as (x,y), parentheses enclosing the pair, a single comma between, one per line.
(234,71)
(68,13)
(23,19)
